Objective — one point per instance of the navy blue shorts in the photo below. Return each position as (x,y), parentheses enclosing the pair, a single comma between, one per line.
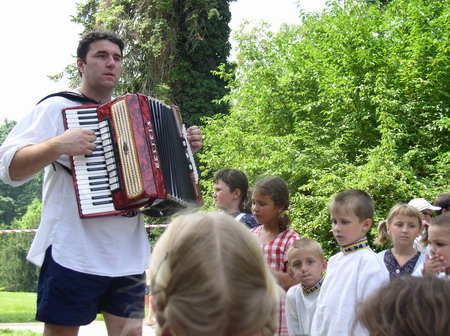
(70,298)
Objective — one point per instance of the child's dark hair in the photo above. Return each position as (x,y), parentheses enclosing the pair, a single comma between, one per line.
(235,179)
(356,200)
(277,189)
(442,201)
(441,221)
(407,305)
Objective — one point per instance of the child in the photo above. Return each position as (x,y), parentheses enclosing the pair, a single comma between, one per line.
(439,238)
(307,264)
(352,274)
(270,203)
(442,201)
(403,225)
(209,278)
(231,195)
(426,209)
(408,306)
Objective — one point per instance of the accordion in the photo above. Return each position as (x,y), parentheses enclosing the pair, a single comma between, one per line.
(143,161)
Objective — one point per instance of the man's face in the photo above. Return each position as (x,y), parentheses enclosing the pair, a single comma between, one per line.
(103,65)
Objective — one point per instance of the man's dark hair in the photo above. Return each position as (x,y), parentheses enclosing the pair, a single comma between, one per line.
(88,39)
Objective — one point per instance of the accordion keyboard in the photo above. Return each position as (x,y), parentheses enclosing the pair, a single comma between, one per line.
(91,171)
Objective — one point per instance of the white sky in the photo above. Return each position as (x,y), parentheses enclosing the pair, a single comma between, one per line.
(40,40)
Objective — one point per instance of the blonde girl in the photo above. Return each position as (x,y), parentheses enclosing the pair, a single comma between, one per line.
(270,204)
(209,278)
(402,227)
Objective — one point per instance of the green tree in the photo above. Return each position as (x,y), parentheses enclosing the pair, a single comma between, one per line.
(355,97)
(172,48)
(16,273)
(15,200)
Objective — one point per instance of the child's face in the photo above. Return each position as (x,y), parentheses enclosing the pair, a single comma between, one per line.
(307,266)
(403,230)
(223,197)
(439,238)
(264,209)
(347,227)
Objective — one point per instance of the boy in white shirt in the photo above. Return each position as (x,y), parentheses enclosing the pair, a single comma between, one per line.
(354,273)
(307,264)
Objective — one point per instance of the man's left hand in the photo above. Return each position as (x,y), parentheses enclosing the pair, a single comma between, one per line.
(194,136)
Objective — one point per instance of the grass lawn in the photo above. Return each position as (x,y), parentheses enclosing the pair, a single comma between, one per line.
(9,332)
(18,307)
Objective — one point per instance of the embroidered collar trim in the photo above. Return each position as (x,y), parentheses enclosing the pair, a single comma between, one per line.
(315,287)
(357,245)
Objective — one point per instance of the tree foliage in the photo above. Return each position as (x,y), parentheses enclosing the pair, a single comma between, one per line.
(16,273)
(172,47)
(355,97)
(15,200)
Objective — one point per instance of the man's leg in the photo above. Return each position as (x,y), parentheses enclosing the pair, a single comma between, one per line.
(123,305)
(122,326)
(55,330)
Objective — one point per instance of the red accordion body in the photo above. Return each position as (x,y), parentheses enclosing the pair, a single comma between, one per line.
(142,155)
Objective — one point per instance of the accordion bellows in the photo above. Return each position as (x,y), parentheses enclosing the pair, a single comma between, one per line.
(142,161)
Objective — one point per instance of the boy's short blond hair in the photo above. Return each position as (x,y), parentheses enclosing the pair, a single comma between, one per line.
(305,243)
(355,200)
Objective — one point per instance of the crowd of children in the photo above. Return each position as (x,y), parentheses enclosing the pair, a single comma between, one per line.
(351,294)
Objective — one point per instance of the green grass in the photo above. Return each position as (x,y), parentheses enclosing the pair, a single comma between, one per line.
(10,332)
(17,307)
(20,307)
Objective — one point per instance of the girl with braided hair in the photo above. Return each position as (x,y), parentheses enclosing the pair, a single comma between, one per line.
(270,203)
(209,278)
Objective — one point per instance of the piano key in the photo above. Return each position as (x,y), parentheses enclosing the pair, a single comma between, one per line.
(93,182)
(80,173)
(77,115)
(93,169)
(88,210)
(86,196)
(94,202)
(89,159)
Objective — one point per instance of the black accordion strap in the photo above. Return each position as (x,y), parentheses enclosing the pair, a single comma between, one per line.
(72,96)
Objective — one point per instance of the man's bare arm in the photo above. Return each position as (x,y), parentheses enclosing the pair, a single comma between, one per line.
(31,159)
